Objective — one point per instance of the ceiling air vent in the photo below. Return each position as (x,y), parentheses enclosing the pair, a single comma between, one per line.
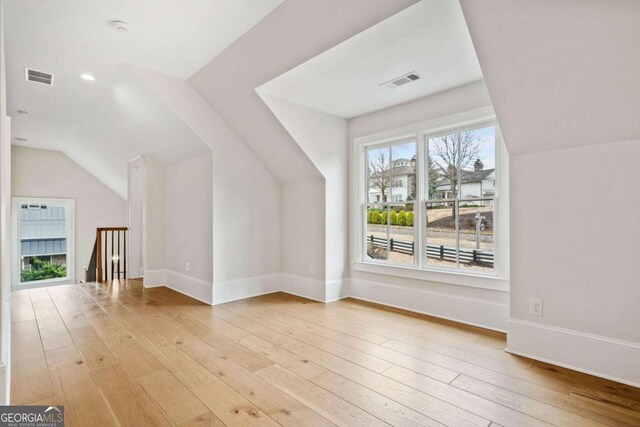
(401,81)
(38,76)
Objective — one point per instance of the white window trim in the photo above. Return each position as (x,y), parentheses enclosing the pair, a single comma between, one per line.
(498,280)
(16,203)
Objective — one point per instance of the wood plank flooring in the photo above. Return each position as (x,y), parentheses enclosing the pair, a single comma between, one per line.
(119,354)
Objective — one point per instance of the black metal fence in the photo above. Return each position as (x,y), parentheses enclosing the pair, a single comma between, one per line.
(435,252)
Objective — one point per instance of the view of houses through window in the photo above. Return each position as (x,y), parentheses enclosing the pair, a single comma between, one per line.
(43,242)
(455,207)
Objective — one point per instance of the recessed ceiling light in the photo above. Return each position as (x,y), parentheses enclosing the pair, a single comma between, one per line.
(120,26)
(87,77)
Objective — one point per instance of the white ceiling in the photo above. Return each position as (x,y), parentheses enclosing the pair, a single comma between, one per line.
(103,124)
(429,38)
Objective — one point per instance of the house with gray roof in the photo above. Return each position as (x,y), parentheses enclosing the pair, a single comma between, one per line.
(473,183)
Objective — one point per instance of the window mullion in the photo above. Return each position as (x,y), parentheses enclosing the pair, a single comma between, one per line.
(422,189)
(458,196)
(456,209)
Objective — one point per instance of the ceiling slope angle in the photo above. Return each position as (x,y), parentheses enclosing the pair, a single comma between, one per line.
(420,51)
(128,119)
(292,34)
(84,112)
(560,73)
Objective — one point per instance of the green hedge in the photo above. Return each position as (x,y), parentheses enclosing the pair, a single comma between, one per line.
(41,270)
(402,218)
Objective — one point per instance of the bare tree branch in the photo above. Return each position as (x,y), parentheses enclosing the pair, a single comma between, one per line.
(379,173)
(454,152)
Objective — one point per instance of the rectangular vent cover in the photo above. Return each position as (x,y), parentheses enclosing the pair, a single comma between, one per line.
(401,81)
(38,76)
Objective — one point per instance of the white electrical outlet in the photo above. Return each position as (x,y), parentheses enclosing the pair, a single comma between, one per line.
(187,267)
(535,307)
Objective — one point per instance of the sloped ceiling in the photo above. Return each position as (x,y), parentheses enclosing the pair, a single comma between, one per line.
(127,119)
(429,38)
(104,123)
(293,33)
(561,73)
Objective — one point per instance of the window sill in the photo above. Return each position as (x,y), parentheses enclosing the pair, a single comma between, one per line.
(42,283)
(493,283)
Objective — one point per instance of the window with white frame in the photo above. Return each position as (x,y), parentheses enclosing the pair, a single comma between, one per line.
(43,241)
(390,209)
(444,218)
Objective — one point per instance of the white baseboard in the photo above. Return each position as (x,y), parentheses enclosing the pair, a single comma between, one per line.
(233,290)
(304,287)
(153,278)
(604,357)
(187,285)
(191,286)
(314,289)
(485,314)
(336,290)
(613,359)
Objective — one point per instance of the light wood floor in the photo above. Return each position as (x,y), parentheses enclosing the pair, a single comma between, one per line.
(115,354)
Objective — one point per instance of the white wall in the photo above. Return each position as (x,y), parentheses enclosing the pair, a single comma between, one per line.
(303,236)
(5,227)
(154,217)
(574,182)
(51,174)
(575,237)
(189,218)
(247,199)
(324,140)
(484,307)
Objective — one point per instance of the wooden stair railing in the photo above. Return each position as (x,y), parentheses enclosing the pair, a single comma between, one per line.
(90,272)
(108,264)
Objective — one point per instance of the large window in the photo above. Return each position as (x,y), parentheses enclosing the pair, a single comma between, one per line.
(430,200)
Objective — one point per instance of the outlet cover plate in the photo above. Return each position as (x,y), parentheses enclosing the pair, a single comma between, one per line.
(535,307)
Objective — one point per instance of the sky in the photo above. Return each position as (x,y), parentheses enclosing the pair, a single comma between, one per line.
(488,150)
(486,154)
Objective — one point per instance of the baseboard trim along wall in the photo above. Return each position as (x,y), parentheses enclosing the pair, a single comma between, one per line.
(314,289)
(613,359)
(485,314)
(190,286)
(336,290)
(304,287)
(153,278)
(233,290)
(475,312)
(588,353)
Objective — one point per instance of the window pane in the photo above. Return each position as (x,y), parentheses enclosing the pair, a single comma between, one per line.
(462,164)
(441,235)
(403,172)
(43,242)
(377,232)
(475,228)
(402,234)
(378,164)
(478,162)
(442,166)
